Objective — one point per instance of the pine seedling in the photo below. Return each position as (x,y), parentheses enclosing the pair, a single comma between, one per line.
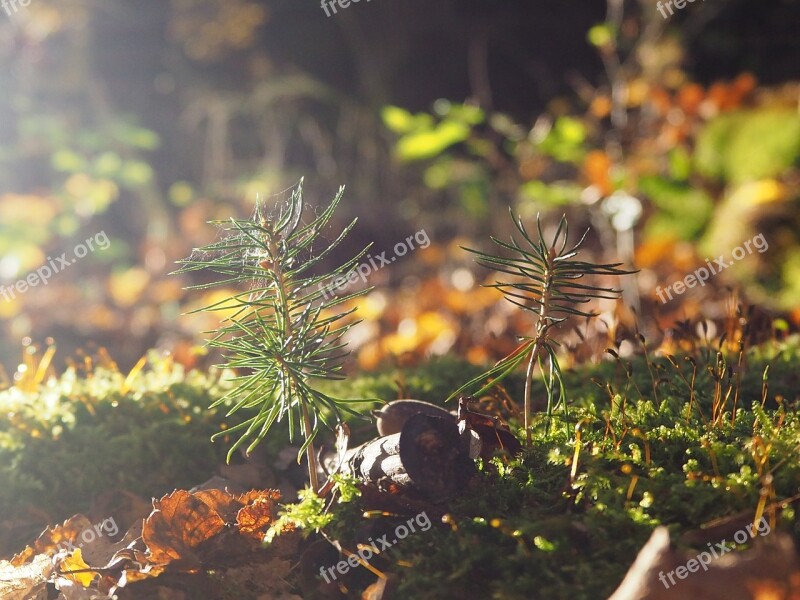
(549,285)
(284,334)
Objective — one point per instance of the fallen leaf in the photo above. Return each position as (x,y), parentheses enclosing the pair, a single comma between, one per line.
(253,495)
(178,524)
(75,562)
(254,518)
(26,582)
(223,503)
(64,537)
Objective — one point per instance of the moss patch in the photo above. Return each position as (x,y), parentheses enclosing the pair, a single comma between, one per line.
(539,522)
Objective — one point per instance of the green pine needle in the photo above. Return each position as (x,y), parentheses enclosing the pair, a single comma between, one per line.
(549,282)
(284,334)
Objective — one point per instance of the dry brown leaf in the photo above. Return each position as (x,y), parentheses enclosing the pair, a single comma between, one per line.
(174,534)
(223,503)
(179,523)
(253,495)
(254,518)
(66,536)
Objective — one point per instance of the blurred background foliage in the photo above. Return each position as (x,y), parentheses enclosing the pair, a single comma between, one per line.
(676,140)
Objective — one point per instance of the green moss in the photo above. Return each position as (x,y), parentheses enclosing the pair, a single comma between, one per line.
(529,525)
(522,526)
(75,439)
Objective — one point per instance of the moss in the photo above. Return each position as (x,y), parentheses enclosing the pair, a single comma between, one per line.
(525,525)
(529,525)
(74,439)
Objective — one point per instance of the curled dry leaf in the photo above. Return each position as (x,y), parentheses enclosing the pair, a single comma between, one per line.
(253,495)
(59,537)
(181,533)
(182,521)
(254,518)
(179,523)
(223,503)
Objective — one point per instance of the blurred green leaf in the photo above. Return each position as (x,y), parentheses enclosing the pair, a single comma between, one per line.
(565,140)
(67,161)
(145,139)
(751,145)
(107,164)
(136,137)
(181,193)
(135,173)
(680,164)
(428,144)
(505,125)
(570,130)
(100,195)
(790,274)
(67,224)
(401,122)
(683,211)
(709,154)
(397,119)
(439,175)
(780,325)
(466,113)
(600,35)
(559,193)
(473,196)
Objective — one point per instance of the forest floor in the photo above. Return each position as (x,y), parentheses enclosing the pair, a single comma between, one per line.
(704,442)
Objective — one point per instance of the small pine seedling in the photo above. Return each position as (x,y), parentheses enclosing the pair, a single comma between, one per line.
(284,334)
(549,287)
